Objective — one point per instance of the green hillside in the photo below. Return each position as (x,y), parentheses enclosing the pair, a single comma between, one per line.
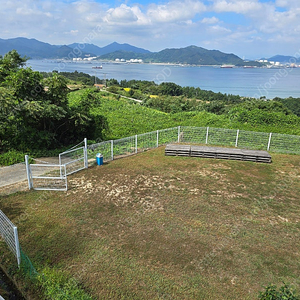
(192,55)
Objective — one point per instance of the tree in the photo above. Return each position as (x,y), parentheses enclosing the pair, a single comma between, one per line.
(11,62)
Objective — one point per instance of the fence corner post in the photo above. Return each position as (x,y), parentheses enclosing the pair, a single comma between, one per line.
(112,149)
(237,138)
(28,171)
(207,130)
(18,254)
(269,143)
(157,138)
(178,134)
(86,162)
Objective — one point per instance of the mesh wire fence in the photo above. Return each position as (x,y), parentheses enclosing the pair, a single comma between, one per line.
(193,134)
(125,146)
(73,159)
(253,140)
(221,136)
(104,148)
(169,135)
(9,233)
(147,140)
(285,143)
(27,266)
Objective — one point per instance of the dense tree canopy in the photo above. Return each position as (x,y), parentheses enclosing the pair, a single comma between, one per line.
(34,112)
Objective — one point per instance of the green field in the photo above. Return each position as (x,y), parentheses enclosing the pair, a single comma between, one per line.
(155,227)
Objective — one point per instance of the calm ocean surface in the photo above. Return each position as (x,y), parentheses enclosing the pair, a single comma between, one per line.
(250,82)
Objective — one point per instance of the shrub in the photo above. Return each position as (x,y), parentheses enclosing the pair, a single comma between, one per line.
(284,293)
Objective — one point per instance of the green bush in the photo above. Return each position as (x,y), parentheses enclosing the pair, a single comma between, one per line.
(11,157)
(284,293)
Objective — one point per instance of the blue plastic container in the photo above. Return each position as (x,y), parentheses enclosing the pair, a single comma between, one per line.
(99,159)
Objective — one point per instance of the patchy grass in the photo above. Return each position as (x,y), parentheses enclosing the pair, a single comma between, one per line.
(156,227)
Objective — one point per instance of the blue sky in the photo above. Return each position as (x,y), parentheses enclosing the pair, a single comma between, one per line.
(249,28)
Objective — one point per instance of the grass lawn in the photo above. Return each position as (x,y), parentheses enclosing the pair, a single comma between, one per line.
(151,226)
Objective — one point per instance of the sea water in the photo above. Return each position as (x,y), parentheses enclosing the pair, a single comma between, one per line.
(248,82)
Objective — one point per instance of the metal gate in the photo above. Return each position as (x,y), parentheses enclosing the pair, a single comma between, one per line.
(46,176)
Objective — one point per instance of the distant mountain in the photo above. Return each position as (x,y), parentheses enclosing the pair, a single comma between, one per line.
(35,49)
(192,55)
(284,59)
(109,48)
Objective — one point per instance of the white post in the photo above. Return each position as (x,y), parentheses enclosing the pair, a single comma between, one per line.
(136,143)
(207,129)
(157,138)
(59,162)
(269,143)
(86,163)
(237,137)
(178,134)
(18,254)
(28,172)
(66,177)
(112,149)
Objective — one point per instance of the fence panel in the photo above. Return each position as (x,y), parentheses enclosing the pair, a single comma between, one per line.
(222,136)
(147,140)
(75,159)
(169,135)
(9,233)
(48,177)
(285,143)
(105,148)
(253,140)
(193,134)
(125,146)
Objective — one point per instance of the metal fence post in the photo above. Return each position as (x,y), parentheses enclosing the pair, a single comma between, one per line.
(112,149)
(18,254)
(157,138)
(28,172)
(136,143)
(207,129)
(237,137)
(178,134)
(269,143)
(86,163)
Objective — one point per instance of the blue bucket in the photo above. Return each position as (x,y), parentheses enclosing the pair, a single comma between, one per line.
(99,159)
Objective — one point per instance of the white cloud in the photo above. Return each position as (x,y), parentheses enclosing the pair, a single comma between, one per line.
(121,14)
(175,11)
(212,20)
(237,6)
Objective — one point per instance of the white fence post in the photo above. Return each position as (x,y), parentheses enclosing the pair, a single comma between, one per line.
(269,143)
(178,134)
(112,149)
(207,129)
(86,162)
(237,137)
(18,254)
(157,138)
(136,143)
(28,172)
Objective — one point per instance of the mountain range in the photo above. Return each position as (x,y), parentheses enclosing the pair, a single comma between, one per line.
(192,55)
